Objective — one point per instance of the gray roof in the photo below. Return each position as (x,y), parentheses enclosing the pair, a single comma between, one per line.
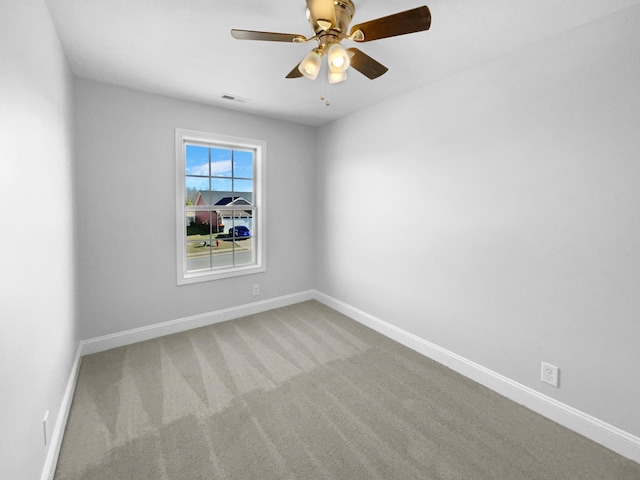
(234,201)
(225,198)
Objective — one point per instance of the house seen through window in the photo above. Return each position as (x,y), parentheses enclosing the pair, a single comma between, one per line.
(221,207)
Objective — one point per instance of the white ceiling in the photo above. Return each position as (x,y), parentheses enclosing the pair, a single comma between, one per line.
(183,48)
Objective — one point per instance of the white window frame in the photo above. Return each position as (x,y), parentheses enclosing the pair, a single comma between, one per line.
(259,147)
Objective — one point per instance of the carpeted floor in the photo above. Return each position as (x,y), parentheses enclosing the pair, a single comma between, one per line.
(303,392)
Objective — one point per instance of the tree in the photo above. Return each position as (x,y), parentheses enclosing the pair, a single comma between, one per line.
(190,195)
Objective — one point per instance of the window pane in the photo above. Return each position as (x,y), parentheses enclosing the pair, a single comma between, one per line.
(223,251)
(198,240)
(244,236)
(193,185)
(198,225)
(243,186)
(248,221)
(217,222)
(221,185)
(242,164)
(220,162)
(198,255)
(241,234)
(196,160)
(244,252)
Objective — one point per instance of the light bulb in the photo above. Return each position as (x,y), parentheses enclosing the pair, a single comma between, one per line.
(337,62)
(338,58)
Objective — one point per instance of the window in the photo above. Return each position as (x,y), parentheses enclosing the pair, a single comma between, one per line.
(219,206)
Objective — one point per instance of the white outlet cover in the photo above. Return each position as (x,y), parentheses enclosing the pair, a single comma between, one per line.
(550,374)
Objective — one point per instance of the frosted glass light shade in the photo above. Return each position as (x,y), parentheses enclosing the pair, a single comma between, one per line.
(338,58)
(337,77)
(310,65)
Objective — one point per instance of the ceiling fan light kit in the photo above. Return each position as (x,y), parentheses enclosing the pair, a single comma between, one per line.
(330,21)
(338,58)
(337,77)
(311,64)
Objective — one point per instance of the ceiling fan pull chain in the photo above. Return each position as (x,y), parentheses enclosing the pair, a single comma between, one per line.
(322,96)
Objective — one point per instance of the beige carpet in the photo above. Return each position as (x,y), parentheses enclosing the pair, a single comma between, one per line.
(303,392)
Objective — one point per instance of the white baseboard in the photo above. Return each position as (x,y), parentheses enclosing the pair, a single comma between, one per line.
(55,442)
(106,342)
(601,432)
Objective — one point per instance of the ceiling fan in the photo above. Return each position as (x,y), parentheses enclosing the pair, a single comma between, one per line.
(330,20)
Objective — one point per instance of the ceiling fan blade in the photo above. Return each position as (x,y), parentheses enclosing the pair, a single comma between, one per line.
(323,12)
(267,36)
(295,73)
(365,64)
(410,21)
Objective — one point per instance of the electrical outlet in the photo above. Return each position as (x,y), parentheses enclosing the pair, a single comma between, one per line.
(44,426)
(550,374)
(256,289)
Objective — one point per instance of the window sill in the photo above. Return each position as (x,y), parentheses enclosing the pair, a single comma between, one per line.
(208,275)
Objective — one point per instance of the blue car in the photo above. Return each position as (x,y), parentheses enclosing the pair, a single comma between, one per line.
(240,232)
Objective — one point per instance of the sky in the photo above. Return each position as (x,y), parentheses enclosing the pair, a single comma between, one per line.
(228,169)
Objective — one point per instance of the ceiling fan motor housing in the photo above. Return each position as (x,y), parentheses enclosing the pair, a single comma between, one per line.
(344,11)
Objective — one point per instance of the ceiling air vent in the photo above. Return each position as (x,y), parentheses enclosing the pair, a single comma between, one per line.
(233,98)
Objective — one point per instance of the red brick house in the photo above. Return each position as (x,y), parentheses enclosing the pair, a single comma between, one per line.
(221,199)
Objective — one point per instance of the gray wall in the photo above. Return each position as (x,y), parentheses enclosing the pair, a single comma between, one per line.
(38,335)
(516,183)
(518,186)
(125,191)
